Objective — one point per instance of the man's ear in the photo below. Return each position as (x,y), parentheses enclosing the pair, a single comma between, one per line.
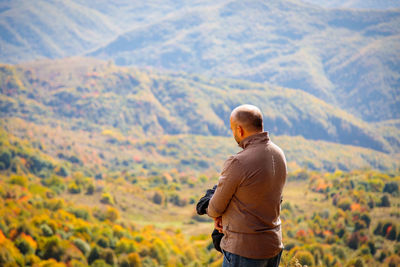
(241,130)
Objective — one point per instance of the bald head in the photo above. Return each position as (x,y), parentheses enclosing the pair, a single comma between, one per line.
(249,117)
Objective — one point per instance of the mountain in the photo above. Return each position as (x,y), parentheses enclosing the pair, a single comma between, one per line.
(91,94)
(53,29)
(347,57)
(176,120)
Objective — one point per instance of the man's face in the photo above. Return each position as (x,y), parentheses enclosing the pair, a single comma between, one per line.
(235,132)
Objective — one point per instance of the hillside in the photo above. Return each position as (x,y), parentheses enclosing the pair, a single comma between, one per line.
(109,150)
(92,95)
(97,114)
(347,57)
(52,215)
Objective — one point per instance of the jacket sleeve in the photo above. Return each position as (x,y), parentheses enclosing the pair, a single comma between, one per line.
(229,180)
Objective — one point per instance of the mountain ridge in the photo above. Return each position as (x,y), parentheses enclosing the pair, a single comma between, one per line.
(90,94)
(296,53)
(343,56)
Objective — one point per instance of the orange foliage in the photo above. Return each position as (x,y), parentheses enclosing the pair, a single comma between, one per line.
(23,198)
(29,239)
(388,230)
(355,207)
(2,237)
(23,161)
(13,233)
(301,233)
(327,233)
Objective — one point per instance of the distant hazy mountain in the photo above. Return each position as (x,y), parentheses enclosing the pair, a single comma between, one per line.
(364,4)
(90,95)
(53,29)
(347,57)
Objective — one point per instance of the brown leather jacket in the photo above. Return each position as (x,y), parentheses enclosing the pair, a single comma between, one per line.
(248,198)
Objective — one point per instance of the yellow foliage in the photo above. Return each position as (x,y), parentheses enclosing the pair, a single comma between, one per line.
(50,263)
(114,134)
(112,214)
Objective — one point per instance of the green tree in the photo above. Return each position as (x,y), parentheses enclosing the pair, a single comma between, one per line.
(385,202)
(158,197)
(94,255)
(5,159)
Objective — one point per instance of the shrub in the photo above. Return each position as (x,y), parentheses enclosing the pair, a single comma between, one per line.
(46,230)
(19,180)
(355,263)
(82,246)
(5,159)
(94,255)
(378,228)
(73,188)
(100,263)
(108,255)
(111,214)
(130,260)
(344,204)
(106,198)
(287,206)
(366,218)
(305,258)
(25,244)
(125,246)
(103,242)
(79,213)
(391,188)
(54,204)
(354,241)
(90,189)
(158,198)
(62,171)
(385,202)
(52,247)
(159,252)
(392,233)
(177,200)
(386,228)
(372,247)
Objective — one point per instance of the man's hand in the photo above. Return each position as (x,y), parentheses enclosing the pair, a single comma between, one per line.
(218,224)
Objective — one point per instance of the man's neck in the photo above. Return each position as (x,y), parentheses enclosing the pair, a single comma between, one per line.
(250,134)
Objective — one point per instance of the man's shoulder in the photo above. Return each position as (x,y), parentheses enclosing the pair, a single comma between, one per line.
(231,160)
(232,163)
(276,148)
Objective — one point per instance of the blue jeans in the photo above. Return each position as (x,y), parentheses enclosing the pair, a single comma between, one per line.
(233,260)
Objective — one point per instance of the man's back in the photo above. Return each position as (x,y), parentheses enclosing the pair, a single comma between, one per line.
(248,197)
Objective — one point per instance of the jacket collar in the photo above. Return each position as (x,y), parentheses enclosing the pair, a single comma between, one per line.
(254,139)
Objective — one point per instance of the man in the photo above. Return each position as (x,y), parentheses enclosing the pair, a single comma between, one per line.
(246,203)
